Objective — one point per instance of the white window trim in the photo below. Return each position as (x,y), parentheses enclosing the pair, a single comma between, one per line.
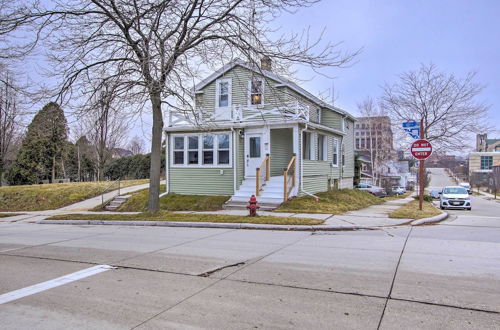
(200,151)
(217,92)
(249,94)
(325,147)
(335,144)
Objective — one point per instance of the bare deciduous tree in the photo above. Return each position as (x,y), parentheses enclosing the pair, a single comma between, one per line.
(447,104)
(378,137)
(9,119)
(106,126)
(158,48)
(136,145)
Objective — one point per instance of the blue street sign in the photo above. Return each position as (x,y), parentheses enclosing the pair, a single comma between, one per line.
(411,124)
(412,128)
(413,132)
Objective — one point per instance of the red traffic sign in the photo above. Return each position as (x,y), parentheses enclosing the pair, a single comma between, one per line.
(421,149)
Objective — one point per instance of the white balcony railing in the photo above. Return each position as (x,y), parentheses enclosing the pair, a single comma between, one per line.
(237,113)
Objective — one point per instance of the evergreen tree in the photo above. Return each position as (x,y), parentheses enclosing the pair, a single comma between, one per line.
(44,148)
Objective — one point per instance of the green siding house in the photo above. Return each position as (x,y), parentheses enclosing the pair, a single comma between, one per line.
(256,133)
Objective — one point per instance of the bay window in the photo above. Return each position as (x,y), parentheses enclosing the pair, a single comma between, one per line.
(201,150)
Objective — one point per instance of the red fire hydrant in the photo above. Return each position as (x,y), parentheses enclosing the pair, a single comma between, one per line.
(252,206)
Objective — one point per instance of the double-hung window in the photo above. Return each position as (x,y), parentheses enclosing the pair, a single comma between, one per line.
(322,147)
(335,161)
(306,145)
(193,150)
(178,157)
(208,149)
(256,92)
(223,93)
(223,149)
(199,150)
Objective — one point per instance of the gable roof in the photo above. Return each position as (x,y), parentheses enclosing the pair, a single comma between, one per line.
(271,75)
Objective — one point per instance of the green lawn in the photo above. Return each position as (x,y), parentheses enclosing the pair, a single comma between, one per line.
(53,196)
(336,202)
(138,202)
(411,211)
(188,217)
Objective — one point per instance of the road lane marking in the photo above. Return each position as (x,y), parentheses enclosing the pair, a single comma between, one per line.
(36,288)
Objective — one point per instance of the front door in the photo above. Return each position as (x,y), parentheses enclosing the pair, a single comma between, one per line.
(254,152)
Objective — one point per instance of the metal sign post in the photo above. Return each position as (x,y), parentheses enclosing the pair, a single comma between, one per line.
(422,171)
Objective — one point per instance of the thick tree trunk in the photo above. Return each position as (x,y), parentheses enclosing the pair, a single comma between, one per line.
(154,173)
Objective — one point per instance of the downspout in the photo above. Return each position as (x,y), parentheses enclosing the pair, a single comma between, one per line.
(301,185)
(341,172)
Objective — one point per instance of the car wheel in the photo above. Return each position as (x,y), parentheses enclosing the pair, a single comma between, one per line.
(469,209)
(441,207)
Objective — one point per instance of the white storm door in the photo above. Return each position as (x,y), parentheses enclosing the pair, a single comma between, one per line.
(254,152)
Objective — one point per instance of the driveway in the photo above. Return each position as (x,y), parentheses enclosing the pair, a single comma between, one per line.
(444,276)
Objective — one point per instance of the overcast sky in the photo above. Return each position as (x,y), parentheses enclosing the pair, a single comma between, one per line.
(397,36)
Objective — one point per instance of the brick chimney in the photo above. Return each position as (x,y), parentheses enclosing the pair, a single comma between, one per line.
(266,63)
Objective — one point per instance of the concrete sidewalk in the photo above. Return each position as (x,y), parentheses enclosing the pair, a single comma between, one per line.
(91,203)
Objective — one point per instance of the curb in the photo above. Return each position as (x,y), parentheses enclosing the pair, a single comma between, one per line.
(436,218)
(207,225)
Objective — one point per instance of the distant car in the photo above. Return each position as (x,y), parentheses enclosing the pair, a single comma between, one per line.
(455,197)
(466,186)
(374,190)
(436,194)
(398,190)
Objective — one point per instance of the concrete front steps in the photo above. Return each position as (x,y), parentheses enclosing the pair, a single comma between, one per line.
(116,203)
(271,194)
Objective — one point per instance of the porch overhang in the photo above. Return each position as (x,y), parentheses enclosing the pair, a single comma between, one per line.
(233,125)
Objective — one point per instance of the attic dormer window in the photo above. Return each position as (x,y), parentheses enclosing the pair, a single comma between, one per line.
(256,92)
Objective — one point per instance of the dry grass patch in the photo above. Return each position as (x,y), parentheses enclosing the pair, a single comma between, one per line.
(411,211)
(6,215)
(336,202)
(396,197)
(53,196)
(190,217)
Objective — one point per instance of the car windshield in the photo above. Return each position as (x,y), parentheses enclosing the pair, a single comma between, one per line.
(456,190)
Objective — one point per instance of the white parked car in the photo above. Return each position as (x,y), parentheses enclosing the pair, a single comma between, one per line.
(455,197)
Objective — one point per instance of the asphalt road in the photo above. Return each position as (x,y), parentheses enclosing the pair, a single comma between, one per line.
(444,276)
